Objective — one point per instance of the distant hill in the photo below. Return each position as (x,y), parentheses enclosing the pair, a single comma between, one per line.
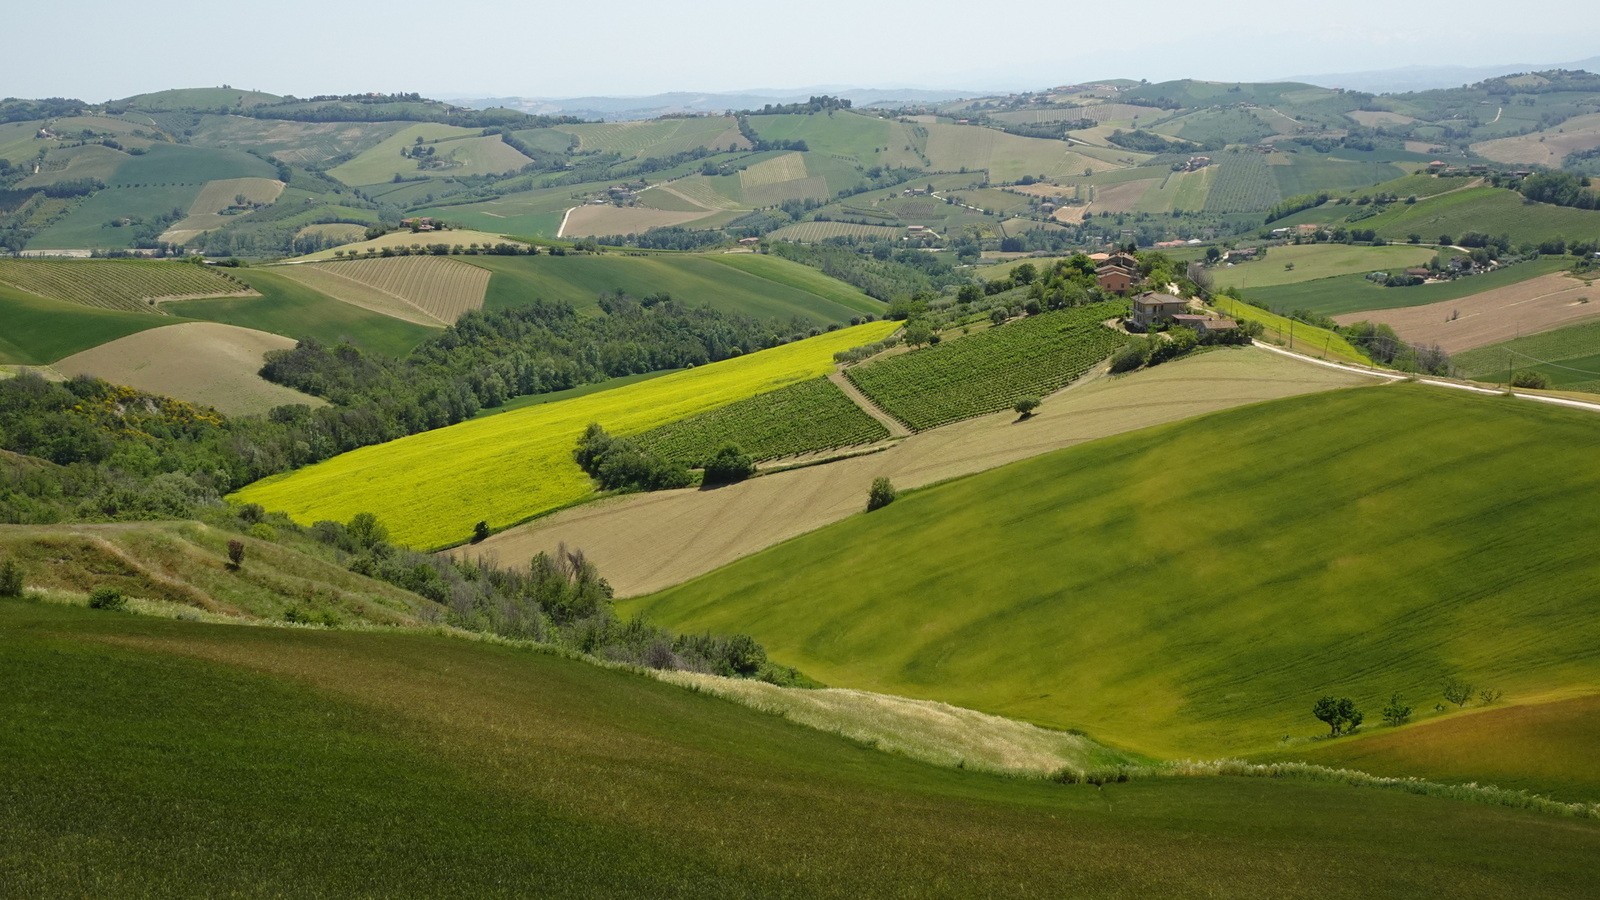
(1423,78)
(651,106)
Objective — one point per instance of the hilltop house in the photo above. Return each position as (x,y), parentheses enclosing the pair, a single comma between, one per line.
(1151,307)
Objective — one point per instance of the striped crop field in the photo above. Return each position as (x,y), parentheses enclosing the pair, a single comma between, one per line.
(125,284)
(802,418)
(428,290)
(992,369)
(803,232)
(430,488)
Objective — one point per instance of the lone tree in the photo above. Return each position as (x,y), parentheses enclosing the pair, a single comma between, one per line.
(1026,406)
(730,464)
(1457,691)
(882,494)
(1341,714)
(1489,696)
(480,532)
(1396,713)
(235,554)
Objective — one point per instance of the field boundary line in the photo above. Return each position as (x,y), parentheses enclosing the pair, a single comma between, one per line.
(1434,382)
(564,217)
(896,427)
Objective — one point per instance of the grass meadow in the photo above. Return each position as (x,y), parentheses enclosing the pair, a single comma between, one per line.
(430,488)
(1313,261)
(309,761)
(1191,589)
(39,331)
(1569,357)
(741,283)
(1342,294)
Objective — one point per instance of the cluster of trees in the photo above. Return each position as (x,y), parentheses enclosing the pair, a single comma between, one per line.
(618,464)
(883,269)
(1146,142)
(1561,189)
(823,103)
(1295,204)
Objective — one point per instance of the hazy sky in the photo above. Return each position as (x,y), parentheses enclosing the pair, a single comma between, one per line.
(100,49)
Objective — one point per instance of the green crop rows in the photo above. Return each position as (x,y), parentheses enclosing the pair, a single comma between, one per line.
(116,284)
(991,370)
(801,418)
(1245,183)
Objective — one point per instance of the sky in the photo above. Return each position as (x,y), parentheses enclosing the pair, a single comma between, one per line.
(98,50)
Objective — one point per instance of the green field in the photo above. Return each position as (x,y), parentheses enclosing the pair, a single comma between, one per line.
(1244,183)
(1191,589)
(1492,211)
(461,151)
(1569,357)
(535,213)
(657,137)
(311,762)
(989,371)
(1354,293)
(1297,336)
(801,418)
(1313,261)
(431,487)
(38,331)
(766,287)
(1307,173)
(865,140)
(121,284)
(296,311)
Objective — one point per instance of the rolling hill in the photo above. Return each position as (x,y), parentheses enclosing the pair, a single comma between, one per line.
(1192,588)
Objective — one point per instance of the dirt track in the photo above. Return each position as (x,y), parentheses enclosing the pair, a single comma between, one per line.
(1528,307)
(645,542)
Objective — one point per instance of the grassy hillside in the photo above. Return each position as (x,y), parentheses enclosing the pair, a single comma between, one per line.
(1192,589)
(304,761)
(1492,211)
(1569,357)
(430,488)
(1293,264)
(40,331)
(296,311)
(1354,293)
(768,289)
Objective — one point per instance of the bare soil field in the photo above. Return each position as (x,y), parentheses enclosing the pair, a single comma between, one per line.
(1545,149)
(1529,307)
(428,290)
(591,221)
(201,362)
(646,542)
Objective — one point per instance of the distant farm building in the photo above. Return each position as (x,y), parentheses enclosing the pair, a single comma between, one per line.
(1204,325)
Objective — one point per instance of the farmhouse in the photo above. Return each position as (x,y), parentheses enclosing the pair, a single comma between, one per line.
(1204,325)
(1151,307)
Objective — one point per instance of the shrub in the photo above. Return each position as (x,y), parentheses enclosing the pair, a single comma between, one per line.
(261,531)
(1026,406)
(881,494)
(480,532)
(235,554)
(10,579)
(1180,340)
(1528,378)
(1490,696)
(728,465)
(1132,355)
(107,597)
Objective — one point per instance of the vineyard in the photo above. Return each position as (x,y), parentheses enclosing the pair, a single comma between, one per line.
(1244,183)
(131,285)
(429,290)
(805,232)
(991,370)
(801,418)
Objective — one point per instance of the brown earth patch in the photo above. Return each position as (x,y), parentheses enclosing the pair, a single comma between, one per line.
(1528,307)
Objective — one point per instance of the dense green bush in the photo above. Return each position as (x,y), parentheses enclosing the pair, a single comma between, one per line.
(881,494)
(1528,378)
(1180,340)
(10,579)
(1132,355)
(107,597)
(728,465)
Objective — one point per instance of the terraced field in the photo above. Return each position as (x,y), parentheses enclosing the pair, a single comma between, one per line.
(430,488)
(427,290)
(802,418)
(119,284)
(992,369)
